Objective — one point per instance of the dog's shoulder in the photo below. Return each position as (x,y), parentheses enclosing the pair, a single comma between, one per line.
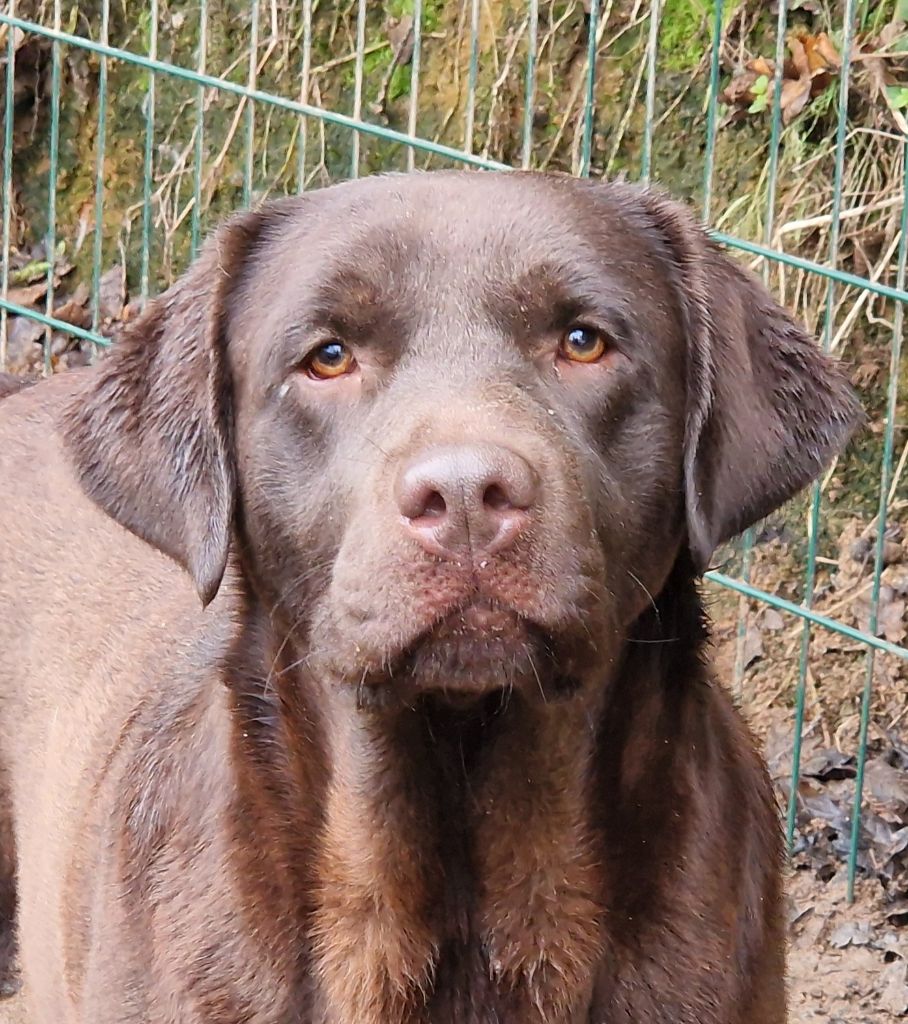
(31,412)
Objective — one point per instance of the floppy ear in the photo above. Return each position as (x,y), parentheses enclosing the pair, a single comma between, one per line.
(151,438)
(766,409)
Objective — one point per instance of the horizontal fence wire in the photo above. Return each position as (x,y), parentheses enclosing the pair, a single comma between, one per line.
(471,28)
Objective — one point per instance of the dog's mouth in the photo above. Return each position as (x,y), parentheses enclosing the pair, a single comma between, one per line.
(479,649)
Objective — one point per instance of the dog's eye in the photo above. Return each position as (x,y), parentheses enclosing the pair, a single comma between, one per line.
(333,359)
(583,345)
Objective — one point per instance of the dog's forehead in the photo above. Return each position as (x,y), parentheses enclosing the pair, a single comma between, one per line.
(449,232)
(408,255)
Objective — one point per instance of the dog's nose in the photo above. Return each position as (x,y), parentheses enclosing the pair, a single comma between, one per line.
(466,500)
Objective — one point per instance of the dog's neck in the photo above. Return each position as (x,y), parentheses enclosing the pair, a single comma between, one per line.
(457,862)
(445,839)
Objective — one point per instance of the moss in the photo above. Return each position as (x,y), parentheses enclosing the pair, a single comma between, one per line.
(432,11)
(681,35)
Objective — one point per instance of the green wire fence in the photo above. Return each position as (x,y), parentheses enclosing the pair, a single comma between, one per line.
(168,114)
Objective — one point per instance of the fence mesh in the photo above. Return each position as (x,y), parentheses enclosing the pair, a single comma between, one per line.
(128,130)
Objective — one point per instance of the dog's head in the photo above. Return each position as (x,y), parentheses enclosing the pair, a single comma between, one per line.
(459,426)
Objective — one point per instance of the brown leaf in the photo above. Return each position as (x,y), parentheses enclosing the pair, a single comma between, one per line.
(762,66)
(772,620)
(822,48)
(28,295)
(799,57)
(887,785)
(795,97)
(400,36)
(891,620)
(865,374)
(74,310)
(753,644)
(895,995)
(737,93)
(19,37)
(113,292)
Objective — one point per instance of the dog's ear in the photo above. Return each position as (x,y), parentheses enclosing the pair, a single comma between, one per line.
(152,437)
(766,409)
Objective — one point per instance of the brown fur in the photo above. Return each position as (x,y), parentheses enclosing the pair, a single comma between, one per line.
(270,760)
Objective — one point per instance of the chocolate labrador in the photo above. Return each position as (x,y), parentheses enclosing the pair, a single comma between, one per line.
(351,652)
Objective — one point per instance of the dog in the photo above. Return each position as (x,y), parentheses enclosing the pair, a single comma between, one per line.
(351,650)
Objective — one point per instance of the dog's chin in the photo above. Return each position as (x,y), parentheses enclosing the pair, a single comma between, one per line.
(474,653)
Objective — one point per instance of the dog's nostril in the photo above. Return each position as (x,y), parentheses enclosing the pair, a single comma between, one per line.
(496,498)
(466,500)
(434,507)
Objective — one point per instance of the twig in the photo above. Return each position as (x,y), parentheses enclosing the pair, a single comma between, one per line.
(856,307)
(339,61)
(826,218)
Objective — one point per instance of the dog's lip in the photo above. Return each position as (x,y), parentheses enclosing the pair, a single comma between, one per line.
(478,617)
(488,617)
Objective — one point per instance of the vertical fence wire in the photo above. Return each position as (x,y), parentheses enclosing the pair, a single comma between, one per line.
(589,111)
(199,147)
(52,170)
(304,96)
(148,163)
(749,537)
(358,84)
(529,95)
(892,396)
(249,149)
(775,131)
(816,497)
(101,147)
(8,112)
(652,53)
(415,62)
(470,111)
(712,107)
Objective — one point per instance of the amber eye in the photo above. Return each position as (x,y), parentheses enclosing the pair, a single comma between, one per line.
(583,345)
(333,359)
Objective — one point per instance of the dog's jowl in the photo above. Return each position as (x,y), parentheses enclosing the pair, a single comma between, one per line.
(352,663)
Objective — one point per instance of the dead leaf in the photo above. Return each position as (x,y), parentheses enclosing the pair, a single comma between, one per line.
(753,644)
(865,374)
(895,994)
(795,97)
(891,621)
(807,72)
(798,89)
(23,334)
(74,310)
(821,48)
(112,292)
(887,785)
(850,933)
(19,37)
(772,620)
(400,36)
(739,91)
(402,40)
(28,295)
